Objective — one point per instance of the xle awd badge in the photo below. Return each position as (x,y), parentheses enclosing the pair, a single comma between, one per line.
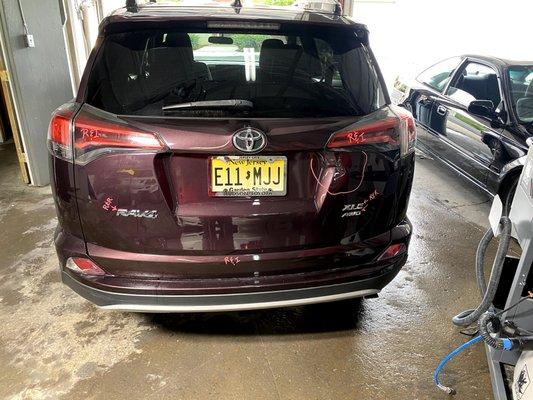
(249,140)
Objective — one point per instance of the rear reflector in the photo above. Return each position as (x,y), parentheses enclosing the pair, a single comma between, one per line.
(392,251)
(94,135)
(84,266)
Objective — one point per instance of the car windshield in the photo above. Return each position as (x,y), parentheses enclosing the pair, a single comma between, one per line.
(521,78)
(294,71)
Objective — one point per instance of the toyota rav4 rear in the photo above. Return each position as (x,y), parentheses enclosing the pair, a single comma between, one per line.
(215,160)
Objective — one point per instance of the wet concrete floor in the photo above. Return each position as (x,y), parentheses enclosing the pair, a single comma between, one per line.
(55,345)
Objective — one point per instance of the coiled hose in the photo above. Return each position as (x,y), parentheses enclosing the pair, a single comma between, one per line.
(487,291)
(485,331)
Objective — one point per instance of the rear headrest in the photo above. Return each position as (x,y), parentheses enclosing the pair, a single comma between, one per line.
(123,65)
(493,89)
(179,41)
(272,44)
(278,59)
(135,41)
(483,87)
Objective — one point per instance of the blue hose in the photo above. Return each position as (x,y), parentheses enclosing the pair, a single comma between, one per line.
(445,360)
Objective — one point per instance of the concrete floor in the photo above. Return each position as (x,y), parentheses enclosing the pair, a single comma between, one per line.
(55,345)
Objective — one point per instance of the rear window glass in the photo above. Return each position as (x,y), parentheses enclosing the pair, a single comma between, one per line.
(302,72)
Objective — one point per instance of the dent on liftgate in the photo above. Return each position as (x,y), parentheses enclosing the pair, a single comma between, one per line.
(504,317)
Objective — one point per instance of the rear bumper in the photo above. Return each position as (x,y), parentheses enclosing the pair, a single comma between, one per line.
(145,291)
(163,303)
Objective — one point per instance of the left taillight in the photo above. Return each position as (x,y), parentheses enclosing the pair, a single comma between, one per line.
(92,133)
(96,134)
(60,133)
(407,130)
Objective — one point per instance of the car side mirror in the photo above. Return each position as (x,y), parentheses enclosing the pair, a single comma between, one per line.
(483,108)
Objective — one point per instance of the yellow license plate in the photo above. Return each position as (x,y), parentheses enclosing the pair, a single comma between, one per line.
(248,176)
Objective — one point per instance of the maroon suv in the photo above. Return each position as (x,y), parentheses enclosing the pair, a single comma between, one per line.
(225,159)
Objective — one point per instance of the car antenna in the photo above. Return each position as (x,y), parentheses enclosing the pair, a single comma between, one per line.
(237,5)
(132,6)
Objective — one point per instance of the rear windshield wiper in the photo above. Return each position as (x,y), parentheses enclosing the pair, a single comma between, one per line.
(235,104)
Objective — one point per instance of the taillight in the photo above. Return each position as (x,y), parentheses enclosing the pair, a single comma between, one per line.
(95,135)
(377,132)
(59,134)
(394,132)
(407,130)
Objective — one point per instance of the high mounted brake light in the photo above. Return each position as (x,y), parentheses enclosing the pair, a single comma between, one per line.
(395,131)
(243,25)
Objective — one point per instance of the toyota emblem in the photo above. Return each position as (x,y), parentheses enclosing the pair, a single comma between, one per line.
(249,140)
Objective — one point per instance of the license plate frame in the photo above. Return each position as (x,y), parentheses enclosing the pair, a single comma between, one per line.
(231,191)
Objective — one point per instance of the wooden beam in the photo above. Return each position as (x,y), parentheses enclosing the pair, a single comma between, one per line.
(6,96)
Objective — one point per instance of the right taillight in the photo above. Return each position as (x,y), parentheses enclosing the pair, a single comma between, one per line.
(407,129)
(397,131)
(367,133)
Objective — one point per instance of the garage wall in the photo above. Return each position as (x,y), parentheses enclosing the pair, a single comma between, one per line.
(40,76)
